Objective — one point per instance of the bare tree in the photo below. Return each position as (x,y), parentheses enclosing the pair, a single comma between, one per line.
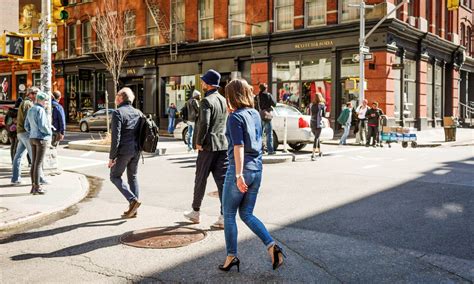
(109,26)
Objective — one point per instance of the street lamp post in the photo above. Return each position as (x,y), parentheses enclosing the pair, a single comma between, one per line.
(363,50)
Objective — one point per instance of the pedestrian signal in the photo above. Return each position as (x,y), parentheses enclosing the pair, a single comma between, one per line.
(17,46)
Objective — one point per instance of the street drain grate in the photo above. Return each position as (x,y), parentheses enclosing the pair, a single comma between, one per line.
(163,237)
(3,209)
(214,194)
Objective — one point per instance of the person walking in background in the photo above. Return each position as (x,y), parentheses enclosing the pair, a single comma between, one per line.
(373,116)
(10,125)
(345,120)
(362,133)
(265,104)
(59,119)
(211,144)
(244,175)
(172,110)
(124,149)
(37,125)
(23,137)
(192,107)
(317,111)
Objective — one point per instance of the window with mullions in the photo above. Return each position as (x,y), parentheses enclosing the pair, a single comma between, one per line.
(71,40)
(409,99)
(129,22)
(284,15)
(438,95)
(86,37)
(237,18)
(152,36)
(177,20)
(206,19)
(429,92)
(315,13)
(347,13)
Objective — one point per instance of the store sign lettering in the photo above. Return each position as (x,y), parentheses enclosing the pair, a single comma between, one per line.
(131,72)
(314,44)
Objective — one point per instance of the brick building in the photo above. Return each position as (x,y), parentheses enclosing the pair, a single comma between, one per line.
(297,46)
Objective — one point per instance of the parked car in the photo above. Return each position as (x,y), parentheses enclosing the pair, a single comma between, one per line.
(298,133)
(95,121)
(4,107)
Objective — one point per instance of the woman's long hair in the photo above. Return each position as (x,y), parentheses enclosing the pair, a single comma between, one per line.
(319,99)
(239,94)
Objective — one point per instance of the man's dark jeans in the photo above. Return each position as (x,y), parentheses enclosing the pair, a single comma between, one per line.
(38,149)
(130,163)
(207,162)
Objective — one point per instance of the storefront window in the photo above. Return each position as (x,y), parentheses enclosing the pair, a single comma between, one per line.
(237,18)
(206,19)
(288,93)
(100,90)
(177,20)
(349,81)
(284,12)
(316,13)
(79,97)
(438,103)
(286,70)
(178,90)
(429,92)
(409,99)
(5,87)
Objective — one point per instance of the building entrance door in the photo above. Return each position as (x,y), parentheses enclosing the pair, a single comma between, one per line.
(137,89)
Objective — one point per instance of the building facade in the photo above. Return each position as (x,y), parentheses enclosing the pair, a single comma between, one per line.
(422,65)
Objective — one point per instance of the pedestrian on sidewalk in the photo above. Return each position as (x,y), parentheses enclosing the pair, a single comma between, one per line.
(211,144)
(192,106)
(124,149)
(59,119)
(373,116)
(244,175)
(317,111)
(37,125)
(23,137)
(172,110)
(344,119)
(265,104)
(10,126)
(362,133)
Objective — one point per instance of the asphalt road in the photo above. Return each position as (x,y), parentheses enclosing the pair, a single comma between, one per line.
(356,215)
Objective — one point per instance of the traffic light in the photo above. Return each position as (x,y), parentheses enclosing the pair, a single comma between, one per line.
(453,5)
(59,15)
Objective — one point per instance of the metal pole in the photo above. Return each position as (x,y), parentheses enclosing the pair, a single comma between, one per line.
(46,69)
(361,53)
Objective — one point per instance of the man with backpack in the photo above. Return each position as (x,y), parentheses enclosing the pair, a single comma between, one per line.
(265,102)
(192,111)
(125,149)
(59,119)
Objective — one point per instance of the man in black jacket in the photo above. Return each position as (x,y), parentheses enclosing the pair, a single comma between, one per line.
(192,106)
(265,102)
(124,149)
(211,144)
(373,116)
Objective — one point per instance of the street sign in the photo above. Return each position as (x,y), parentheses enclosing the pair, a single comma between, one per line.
(355,57)
(365,49)
(369,56)
(398,66)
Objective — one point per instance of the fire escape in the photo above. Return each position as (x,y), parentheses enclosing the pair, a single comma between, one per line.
(168,30)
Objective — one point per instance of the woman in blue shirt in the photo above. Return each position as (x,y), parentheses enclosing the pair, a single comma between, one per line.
(244,175)
(39,130)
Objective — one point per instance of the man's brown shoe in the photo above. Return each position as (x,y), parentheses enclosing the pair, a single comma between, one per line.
(132,210)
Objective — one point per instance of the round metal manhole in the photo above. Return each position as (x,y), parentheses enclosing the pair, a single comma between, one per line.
(214,194)
(3,209)
(163,237)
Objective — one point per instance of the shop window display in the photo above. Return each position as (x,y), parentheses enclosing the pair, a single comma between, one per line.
(438,103)
(178,90)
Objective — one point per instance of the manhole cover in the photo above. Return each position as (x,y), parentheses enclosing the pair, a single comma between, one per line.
(163,237)
(3,209)
(214,194)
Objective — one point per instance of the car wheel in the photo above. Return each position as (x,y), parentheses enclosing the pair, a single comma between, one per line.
(185,136)
(297,146)
(4,136)
(84,127)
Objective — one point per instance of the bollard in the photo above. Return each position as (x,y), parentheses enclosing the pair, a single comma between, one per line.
(285,134)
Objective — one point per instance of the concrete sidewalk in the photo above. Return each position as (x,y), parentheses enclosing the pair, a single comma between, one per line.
(427,138)
(18,207)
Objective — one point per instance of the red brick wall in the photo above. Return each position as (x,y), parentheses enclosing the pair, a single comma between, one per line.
(191,20)
(331,16)
(221,23)
(299,14)
(455,91)
(258,74)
